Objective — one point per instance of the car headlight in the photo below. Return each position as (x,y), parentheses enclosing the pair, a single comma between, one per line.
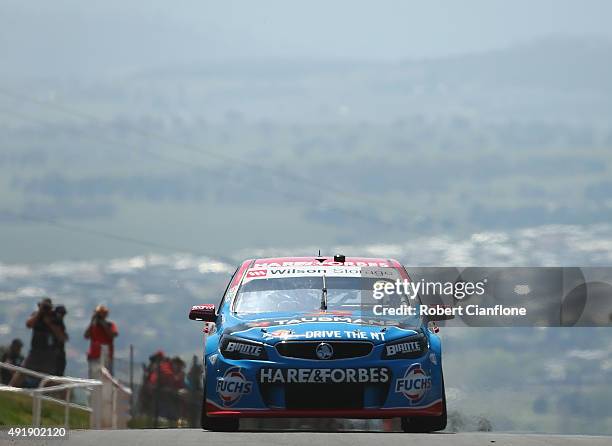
(238,348)
(411,347)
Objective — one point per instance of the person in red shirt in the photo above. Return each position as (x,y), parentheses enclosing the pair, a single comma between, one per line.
(178,372)
(101,332)
(161,371)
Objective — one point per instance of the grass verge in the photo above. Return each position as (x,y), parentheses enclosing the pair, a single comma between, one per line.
(16,410)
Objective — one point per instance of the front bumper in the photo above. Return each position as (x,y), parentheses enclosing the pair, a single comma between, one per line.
(236,388)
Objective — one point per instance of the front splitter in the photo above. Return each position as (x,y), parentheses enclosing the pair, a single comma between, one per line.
(434,409)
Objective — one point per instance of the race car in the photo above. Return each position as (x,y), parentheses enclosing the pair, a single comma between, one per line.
(304,337)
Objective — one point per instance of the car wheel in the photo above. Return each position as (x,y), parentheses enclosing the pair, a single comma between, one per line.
(427,424)
(217,424)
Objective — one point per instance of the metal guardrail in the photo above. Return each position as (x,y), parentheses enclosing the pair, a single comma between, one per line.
(116,388)
(38,394)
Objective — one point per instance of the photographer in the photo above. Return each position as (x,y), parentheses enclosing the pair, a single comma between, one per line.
(60,344)
(46,333)
(101,332)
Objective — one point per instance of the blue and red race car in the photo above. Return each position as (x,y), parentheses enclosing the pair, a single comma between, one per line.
(298,337)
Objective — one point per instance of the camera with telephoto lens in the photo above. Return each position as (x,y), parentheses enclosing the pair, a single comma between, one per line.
(46,307)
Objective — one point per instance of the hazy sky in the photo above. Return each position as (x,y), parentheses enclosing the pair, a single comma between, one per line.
(72,36)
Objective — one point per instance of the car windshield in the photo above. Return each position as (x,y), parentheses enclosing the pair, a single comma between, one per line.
(303,294)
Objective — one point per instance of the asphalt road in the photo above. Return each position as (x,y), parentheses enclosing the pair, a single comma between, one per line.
(188,437)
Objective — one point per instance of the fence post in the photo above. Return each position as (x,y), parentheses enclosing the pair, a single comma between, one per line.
(132,379)
(36,409)
(114,407)
(96,394)
(67,410)
(104,356)
(156,397)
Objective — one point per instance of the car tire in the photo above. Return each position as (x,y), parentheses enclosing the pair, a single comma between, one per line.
(217,424)
(427,423)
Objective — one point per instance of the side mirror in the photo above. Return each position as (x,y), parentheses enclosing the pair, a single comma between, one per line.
(204,313)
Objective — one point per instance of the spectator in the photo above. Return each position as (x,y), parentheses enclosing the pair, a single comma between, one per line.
(178,371)
(178,393)
(12,356)
(164,392)
(165,373)
(148,390)
(60,345)
(43,350)
(161,384)
(101,332)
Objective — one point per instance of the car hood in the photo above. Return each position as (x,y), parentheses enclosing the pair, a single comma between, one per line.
(277,327)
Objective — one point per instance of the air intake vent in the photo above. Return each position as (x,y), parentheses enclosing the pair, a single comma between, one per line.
(307,350)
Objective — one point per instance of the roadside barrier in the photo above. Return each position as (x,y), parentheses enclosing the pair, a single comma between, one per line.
(109,403)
